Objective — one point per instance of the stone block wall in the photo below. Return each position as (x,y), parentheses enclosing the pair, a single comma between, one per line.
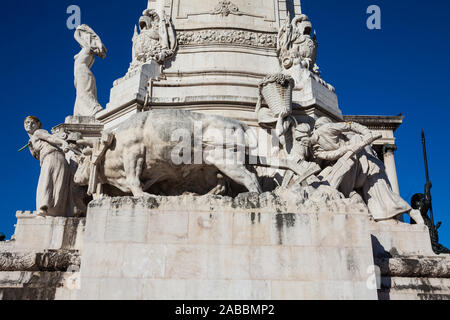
(42,261)
(219,248)
(252,247)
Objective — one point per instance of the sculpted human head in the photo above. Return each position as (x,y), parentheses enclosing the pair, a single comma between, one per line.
(302,131)
(32,124)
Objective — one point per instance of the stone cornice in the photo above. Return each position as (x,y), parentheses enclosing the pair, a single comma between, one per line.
(415,267)
(85,129)
(377,122)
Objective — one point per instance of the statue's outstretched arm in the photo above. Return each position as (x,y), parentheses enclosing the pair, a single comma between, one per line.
(331,155)
(52,139)
(360,129)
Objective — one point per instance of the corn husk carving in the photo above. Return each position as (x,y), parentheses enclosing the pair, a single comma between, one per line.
(276,91)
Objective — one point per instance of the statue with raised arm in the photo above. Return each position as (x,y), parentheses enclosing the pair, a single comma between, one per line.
(352,166)
(54,188)
(86,104)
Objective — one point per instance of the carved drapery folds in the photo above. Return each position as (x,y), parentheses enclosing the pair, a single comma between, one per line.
(156,40)
(86,104)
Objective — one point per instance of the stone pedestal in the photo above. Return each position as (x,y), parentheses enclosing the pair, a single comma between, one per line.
(49,233)
(409,268)
(219,248)
(252,247)
(398,238)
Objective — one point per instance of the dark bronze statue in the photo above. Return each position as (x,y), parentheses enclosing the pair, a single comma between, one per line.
(423,203)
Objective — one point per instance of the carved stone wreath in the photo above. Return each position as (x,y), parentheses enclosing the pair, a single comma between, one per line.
(226,36)
(225,8)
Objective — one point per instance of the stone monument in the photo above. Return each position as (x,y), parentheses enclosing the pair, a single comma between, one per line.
(221,168)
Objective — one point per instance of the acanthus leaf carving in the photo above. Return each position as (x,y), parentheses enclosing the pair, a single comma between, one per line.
(227,36)
(225,8)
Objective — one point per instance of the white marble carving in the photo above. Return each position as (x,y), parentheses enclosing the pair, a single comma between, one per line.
(296,46)
(156,40)
(86,104)
(225,8)
(352,166)
(276,90)
(228,37)
(145,158)
(53,191)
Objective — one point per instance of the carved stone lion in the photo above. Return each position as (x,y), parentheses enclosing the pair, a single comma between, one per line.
(156,40)
(296,46)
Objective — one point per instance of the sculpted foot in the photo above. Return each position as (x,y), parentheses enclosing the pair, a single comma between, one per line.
(42,213)
(417,216)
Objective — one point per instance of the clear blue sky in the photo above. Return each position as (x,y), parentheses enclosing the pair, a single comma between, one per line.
(404,68)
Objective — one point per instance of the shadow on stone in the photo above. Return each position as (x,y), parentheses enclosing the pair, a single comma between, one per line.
(381,256)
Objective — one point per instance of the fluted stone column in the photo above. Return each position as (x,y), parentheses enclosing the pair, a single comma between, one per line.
(391,169)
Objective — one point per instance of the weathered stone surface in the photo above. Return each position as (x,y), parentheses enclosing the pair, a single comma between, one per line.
(49,233)
(297,243)
(400,239)
(405,288)
(39,285)
(415,267)
(86,104)
(224,248)
(53,196)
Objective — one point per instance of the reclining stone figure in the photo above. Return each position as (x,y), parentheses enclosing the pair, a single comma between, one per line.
(143,155)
